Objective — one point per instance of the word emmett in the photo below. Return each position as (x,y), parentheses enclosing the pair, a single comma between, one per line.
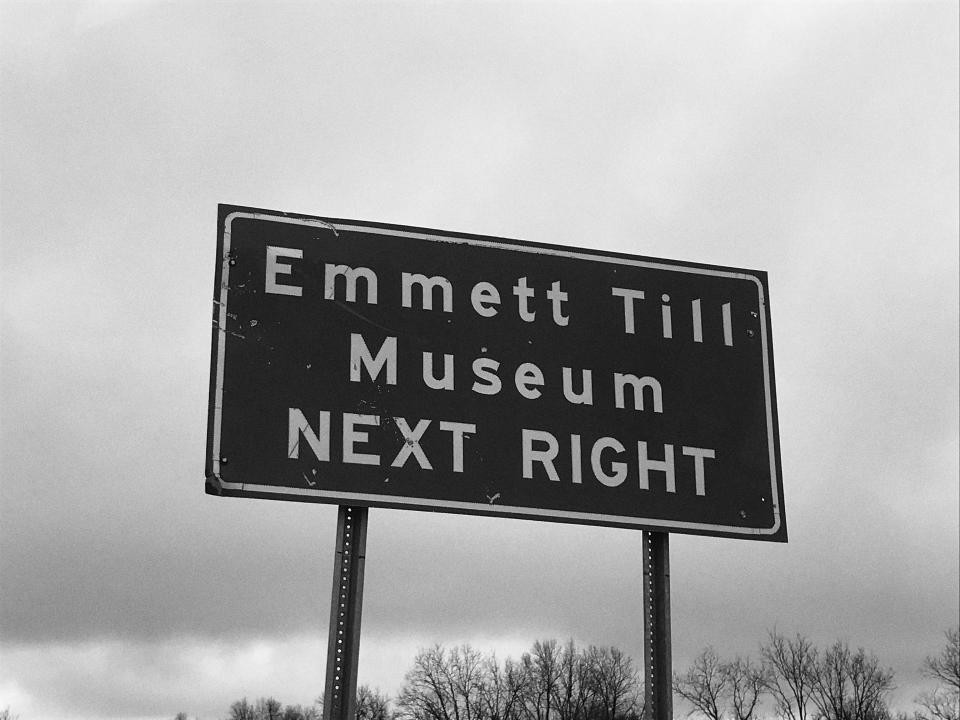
(485,297)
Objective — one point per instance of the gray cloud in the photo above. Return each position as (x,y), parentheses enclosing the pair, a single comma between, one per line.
(817,143)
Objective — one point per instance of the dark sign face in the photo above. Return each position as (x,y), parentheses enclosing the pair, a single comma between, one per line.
(366,364)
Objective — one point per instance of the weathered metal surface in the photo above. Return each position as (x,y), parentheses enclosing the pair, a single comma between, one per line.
(657,653)
(346,604)
(366,364)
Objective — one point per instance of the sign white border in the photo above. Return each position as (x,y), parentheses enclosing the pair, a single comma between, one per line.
(483,508)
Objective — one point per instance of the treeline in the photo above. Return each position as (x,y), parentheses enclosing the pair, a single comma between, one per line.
(801,681)
(795,680)
(791,679)
(552,681)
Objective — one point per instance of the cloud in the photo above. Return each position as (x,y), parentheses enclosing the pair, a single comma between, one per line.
(113,679)
(93,14)
(816,142)
(157,679)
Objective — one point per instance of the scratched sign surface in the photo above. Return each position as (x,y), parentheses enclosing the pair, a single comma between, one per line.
(361,363)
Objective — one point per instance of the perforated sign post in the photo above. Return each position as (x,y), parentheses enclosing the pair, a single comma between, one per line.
(365,364)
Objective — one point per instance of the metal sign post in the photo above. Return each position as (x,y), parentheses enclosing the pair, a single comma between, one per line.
(367,364)
(343,647)
(658,663)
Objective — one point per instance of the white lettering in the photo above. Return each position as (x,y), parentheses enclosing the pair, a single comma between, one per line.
(275,268)
(350,276)
(727,325)
(427,286)
(698,454)
(666,316)
(483,296)
(586,395)
(637,385)
(628,297)
(444,383)
(575,462)
(619,468)
(360,355)
(458,430)
(544,457)
(524,293)
(352,436)
(665,466)
(319,442)
(557,296)
(411,443)
(526,378)
(697,320)
(485,369)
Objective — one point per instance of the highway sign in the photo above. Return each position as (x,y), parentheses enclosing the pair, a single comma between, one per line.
(366,364)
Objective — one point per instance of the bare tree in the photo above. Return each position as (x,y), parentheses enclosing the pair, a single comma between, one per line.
(443,685)
(746,683)
(504,690)
(717,688)
(372,704)
(424,695)
(943,703)
(614,683)
(242,710)
(945,667)
(542,665)
(268,709)
(850,686)
(301,712)
(550,682)
(574,686)
(790,664)
(870,685)
(704,684)
(466,677)
(829,680)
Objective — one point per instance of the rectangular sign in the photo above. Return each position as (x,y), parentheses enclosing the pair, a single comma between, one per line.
(361,363)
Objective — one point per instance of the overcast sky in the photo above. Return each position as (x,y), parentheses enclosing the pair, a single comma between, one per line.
(817,142)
